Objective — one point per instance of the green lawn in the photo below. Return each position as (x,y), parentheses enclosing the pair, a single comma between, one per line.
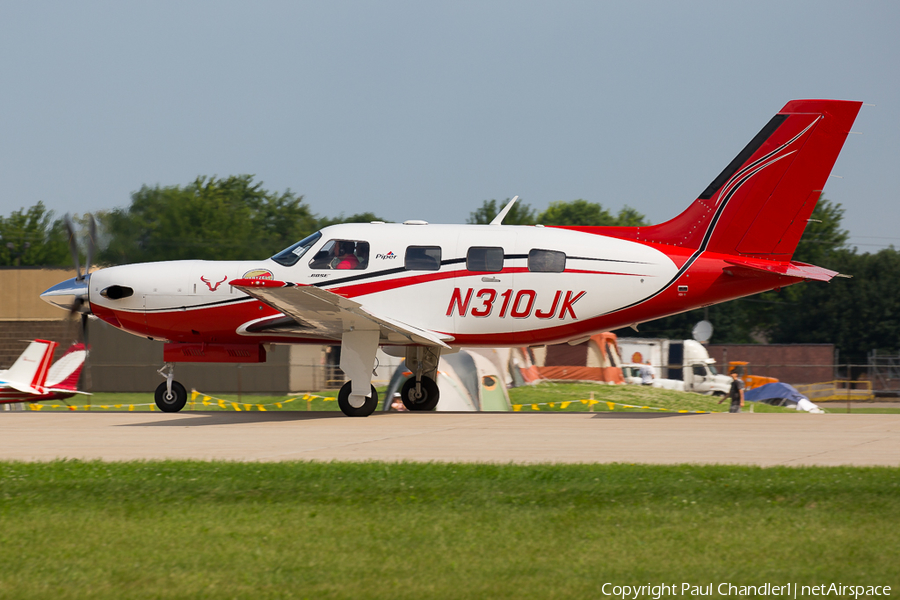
(372,530)
(545,396)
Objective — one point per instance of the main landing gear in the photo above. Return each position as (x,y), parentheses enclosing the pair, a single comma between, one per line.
(170,396)
(420,392)
(358,397)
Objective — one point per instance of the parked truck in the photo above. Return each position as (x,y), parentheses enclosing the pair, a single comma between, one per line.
(742,368)
(686,361)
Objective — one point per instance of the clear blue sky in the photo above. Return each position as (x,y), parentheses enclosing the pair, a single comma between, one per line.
(425,109)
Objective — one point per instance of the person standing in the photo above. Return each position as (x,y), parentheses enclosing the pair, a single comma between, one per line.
(736,393)
(647,374)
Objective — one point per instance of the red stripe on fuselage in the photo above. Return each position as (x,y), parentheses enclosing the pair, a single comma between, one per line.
(373,287)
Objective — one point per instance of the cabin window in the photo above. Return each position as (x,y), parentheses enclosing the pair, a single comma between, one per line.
(423,258)
(341,254)
(700,370)
(546,261)
(481,258)
(290,255)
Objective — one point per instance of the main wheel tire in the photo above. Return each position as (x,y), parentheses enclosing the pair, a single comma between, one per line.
(172,403)
(365,410)
(427,401)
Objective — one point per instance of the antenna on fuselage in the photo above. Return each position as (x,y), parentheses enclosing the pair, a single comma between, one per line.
(498,220)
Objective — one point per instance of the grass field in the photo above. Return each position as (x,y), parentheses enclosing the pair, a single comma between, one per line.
(371,530)
(545,396)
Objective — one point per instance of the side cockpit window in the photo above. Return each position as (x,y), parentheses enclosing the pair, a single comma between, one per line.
(341,254)
(290,255)
(546,261)
(422,258)
(480,258)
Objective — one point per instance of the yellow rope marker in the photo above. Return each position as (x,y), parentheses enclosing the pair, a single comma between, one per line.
(222,404)
(517,407)
(535,407)
(261,407)
(552,405)
(152,408)
(235,406)
(289,400)
(565,405)
(247,407)
(278,404)
(194,394)
(611,405)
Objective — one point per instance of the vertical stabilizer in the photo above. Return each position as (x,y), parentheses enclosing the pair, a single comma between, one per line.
(30,369)
(758,206)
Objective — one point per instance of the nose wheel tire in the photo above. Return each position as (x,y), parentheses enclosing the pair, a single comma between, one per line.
(365,410)
(426,401)
(170,402)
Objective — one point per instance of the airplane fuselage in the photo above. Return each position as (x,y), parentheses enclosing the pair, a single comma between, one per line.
(596,283)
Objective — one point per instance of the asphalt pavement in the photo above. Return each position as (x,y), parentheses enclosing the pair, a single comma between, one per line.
(540,437)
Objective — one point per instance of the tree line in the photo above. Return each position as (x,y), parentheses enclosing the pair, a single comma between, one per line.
(230,218)
(235,218)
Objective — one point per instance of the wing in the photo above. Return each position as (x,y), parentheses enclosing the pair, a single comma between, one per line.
(314,312)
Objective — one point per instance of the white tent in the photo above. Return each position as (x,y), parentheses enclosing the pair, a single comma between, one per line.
(467,381)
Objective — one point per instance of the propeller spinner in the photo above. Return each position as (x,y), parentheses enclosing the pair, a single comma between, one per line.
(72,295)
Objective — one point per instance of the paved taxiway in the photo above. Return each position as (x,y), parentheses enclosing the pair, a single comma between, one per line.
(757,439)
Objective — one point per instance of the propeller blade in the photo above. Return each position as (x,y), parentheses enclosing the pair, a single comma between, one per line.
(77,303)
(73,246)
(91,243)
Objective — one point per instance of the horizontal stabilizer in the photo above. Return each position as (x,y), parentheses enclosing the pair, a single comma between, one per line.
(792,269)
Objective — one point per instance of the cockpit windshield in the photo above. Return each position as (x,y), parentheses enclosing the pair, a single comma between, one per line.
(290,255)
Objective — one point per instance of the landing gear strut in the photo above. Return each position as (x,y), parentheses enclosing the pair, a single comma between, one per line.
(170,395)
(357,397)
(420,392)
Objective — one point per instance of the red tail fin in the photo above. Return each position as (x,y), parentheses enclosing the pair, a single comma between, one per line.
(65,373)
(759,205)
(30,369)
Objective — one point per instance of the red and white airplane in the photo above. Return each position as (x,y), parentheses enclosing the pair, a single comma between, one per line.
(420,290)
(32,379)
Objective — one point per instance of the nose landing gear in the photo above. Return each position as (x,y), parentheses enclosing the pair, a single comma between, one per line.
(170,395)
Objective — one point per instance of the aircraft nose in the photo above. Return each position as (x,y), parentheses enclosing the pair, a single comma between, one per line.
(71,295)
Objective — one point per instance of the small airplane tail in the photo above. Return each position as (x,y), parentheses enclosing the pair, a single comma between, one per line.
(760,203)
(64,375)
(32,366)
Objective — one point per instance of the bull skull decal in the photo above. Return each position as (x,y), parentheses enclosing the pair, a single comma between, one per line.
(212,286)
